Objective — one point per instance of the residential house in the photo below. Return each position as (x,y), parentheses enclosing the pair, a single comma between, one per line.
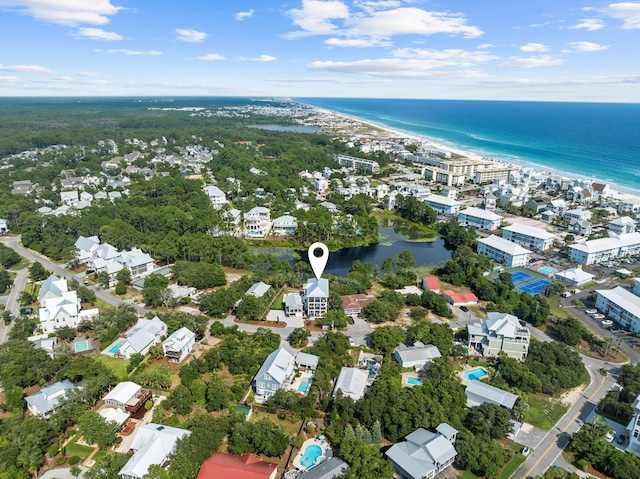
(145,333)
(558,206)
(48,398)
(128,397)
(69,198)
(306,361)
(578,214)
(605,249)
(4,226)
(430,283)
(443,205)
(63,311)
(315,297)
(217,197)
(499,333)
(528,236)
(352,382)
(140,264)
(478,218)
(622,225)
(580,227)
(503,251)
(177,346)
(574,276)
(258,290)
(416,356)
(274,374)
(293,306)
(320,184)
(245,466)
(424,454)
(53,287)
(459,299)
(621,305)
(490,202)
(537,205)
(600,190)
(633,429)
(332,468)
(352,304)
(330,206)
(85,247)
(46,344)
(479,392)
(153,444)
(257,221)
(547,216)
(285,225)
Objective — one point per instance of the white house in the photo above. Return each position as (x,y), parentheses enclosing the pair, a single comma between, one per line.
(69,198)
(145,333)
(293,306)
(578,214)
(48,398)
(621,305)
(216,196)
(140,264)
(316,297)
(352,382)
(503,251)
(499,333)
(4,226)
(63,311)
(121,394)
(53,287)
(443,205)
(153,444)
(257,221)
(479,392)
(633,429)
(285,225)
(478,218)
(177,346)
(528,236)
(622,225)
(574,276)
(605,249)
(416,356)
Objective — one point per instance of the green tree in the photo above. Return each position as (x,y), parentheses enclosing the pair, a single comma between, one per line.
(120,288)
(298,337)
(385,338)
(37,272)
(249,308)
(124,276)
(95,430)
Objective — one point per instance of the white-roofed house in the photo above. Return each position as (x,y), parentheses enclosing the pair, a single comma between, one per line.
(352,382)
(114,415)
(285,225)
(257,221)
(443,204)
(85,247)
(478,218)
(53,287)
(574,276)
(620,304)
(129,397)
(528,236)
(69,198)
(503,251)
(4,226)
(500,332)
(216,195)
(139,263)
(293,306)
(275,373)
(416,356)
(622,225)
(424,454)
(63,311)
(145,333)
(316,297)
(48,398)
(306,361)
(258,289)
(153,444)
(177,346)
(478,392)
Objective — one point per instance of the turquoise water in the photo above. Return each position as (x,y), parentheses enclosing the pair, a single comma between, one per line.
(304,386)
(242,409)
(415,381)
(582,139)
(547,270)
(310,455)
(115,348)
(81,346)
(473,374)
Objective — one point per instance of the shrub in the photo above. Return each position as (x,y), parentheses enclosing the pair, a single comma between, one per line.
(74,460)
(60,460)
(582,464)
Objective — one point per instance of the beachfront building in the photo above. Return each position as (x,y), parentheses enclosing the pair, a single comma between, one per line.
(479,392)
(285,225)
(357,163)
(445,177)
(245,466)
(499,333)
(528,236)
(216,196)
(478,218)
(423,454)
(351,382)
(417,356)
(621,305)
(443,205)
(622,225)
(315,297)
(605,249)
(503,251)
(574,276)
(48,398)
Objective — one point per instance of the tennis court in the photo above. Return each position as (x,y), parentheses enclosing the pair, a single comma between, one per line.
(520,276)
(534,287)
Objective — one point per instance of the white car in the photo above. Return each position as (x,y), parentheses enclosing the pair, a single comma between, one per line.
(610,436)
(599,316)
(591,311)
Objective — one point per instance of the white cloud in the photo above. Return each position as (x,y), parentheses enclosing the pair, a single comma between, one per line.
(87,74)
(532,62)
(26,69)
(240,16)
(124,51)
(343,80)
(209,57)
(590,24)
(190,36)
(486,45)
(98,34)
(534,47)
(356,42)
(588,46)
(314,17)
(264,58)
(10,79)
(65,12)
(628,12)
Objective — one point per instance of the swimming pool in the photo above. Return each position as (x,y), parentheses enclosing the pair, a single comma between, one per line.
(304,385)
(310,456)
(81,346)
(547,270)
(116,347)
(473,374)
(414,381)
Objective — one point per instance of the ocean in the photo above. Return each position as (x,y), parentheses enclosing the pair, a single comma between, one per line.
(592,140)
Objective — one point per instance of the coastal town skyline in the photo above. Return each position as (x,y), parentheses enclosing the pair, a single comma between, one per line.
(575,51)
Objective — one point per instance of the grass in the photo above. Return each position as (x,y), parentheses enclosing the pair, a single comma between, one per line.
(469,475)
(556,310)
(103,304)
(516,461)
(100,454)
(22,264)
(118,366)
(75,449)
(544,412)
(291,428)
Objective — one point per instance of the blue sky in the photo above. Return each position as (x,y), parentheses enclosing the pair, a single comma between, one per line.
(564,50)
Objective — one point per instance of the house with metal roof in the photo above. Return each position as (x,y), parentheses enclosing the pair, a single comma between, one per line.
(528,236)
(177,346)
(416,356)
(503,251)
(306,361)
(424,454)
(145,333)
(275,373)
(499,333)
(332,468)
(53,287)
(479,392)
(293,306)
(316,297)
(620,304)
(49,397)
(430,283)
(285,225)
(352,382)
(258,289)
(479,218)
(462,298)
(622,225)
(574,276)
(64,310)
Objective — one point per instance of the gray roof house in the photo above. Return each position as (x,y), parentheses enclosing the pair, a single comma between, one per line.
(316,297)
(177,346)
(274,374)
(293,306)
(330,469)
(142,336)
(306,361)
(48,398)
(423,454)
(500,333)
(153,444)
(258,289)
(479,393)
(352,382)
(416,356)
(53,287)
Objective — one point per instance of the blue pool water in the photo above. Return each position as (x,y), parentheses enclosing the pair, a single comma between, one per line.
(547,270)
(115,348)
(304,386)
(414,381)
(310,456)
(473,374)
(81,346)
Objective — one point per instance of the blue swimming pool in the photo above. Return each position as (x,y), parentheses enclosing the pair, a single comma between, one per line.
(116,347)
(304,385)
(414,381)
(473,374)
(310,456)
(547,270)
(81,346)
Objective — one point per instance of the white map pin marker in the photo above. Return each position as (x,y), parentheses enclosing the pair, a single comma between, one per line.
(318,263)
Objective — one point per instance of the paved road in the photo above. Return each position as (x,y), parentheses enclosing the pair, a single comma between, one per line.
(13,302)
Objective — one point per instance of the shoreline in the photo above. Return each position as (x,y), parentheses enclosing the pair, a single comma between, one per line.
(616,189)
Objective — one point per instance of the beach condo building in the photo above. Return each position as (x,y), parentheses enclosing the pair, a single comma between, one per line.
(357,163)
(528,236)
(423,454)
(443,205)
(633,429)
(499,333)
(445,177)
(478,218)
(285,225)
(622,225)
(503,251)
(621,305)
(315,297)
(257,221)
(216,196)
(605,249)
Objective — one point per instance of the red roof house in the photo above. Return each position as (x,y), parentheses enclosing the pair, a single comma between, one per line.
(459,298)
(247,466)
(352,304)
(430,283)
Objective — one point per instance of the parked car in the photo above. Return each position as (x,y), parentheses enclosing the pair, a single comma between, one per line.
(464,308)
(25,311)
(199,337)
(89,271)
(610,436)
(621,439)
(598,316)
(591,311)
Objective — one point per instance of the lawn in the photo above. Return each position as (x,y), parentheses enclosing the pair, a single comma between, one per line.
(544,412)
(291,428)
(515,462)
(118,366)
(103,304)
(555,308)
(469,475)
(100,454)
(22,264)
(74,449)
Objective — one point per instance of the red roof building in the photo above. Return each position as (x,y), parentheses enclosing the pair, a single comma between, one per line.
(247,466)
(430,283)
(459,298)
